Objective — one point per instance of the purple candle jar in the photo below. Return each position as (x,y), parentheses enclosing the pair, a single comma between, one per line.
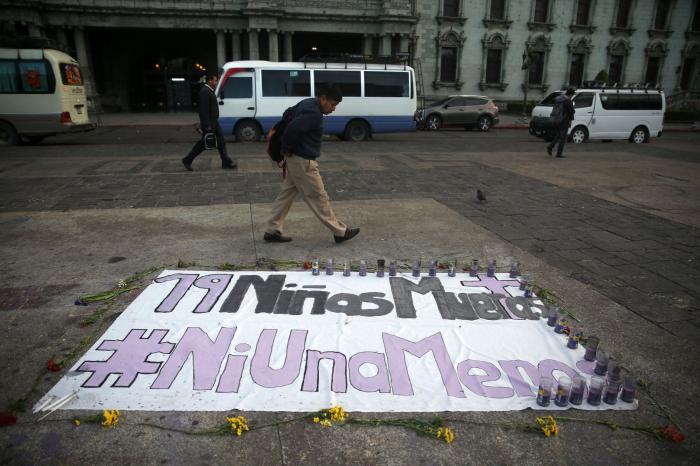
(380,267)
(452,271)
(559,327)
(363,268)
(491,268)
(629,390)
(523,283)
(416,268)
(563,392)
(514,270)
(346,269)
(474,268)
(595,391)
(574,337)
(544,392)
(591,348)
(611,392)
(577,388)
(432,271)
(314,267)
(553,316)
(329,266)
(601,363)
(392,268)
(528,291)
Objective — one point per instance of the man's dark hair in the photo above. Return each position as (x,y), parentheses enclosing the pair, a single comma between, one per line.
(331,92)
(570,91)
(210,76)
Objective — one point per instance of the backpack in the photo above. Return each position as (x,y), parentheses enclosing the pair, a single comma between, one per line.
(274,136)
(557,115)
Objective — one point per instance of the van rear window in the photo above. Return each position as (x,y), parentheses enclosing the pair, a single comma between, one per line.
(70,74)
(631,101)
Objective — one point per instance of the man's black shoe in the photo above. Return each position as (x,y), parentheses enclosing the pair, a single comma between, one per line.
(350,233)
(276,237)
(230,166)
(559,156)
(188,166)
(549,150)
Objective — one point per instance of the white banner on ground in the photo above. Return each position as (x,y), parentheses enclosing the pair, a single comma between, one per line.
(291,341)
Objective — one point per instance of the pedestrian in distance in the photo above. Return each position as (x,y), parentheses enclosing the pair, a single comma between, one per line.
(561,118)
(301,146)
(209,123)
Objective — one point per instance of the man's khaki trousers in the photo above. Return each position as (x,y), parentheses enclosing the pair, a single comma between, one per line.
(303,177)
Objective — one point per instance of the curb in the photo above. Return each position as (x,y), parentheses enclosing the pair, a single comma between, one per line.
(665,130)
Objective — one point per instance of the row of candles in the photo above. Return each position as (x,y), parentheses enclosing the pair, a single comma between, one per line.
(415,270)
(607,384)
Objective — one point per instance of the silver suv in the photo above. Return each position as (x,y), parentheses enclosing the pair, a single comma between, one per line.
(470,111)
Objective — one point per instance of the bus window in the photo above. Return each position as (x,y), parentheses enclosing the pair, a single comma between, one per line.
(34,76)
(238,88)
(386,84)
(70,75)
(8,77)
(349,82)
(286,83)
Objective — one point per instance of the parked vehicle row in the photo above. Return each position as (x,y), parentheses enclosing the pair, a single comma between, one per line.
(469,111)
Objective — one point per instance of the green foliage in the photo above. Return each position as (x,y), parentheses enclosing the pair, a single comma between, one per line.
(602,76)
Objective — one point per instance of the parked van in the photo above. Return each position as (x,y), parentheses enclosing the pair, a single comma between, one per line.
(377,98)
(41,94)
(634,114)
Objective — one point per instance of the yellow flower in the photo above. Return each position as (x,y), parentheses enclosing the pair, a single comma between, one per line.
(325,423)
(238,424)
(449,435)
(76,421)
(549,426)
(316,419)
(110,417)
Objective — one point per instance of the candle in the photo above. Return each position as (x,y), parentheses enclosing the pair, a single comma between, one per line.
(329,266)
(629,390)
(591,348)
(491,268)
(392,268)
(416,268)
(553,316)
(601,363)
(611,392)
(380,267)
(574,337)
(559,327)
(314,267)
(363,268)
(433,269)
(563,391)
(474,268)
(577,388)
(346,269)
(452,272)
(595,391)
(544,392)
(514,270)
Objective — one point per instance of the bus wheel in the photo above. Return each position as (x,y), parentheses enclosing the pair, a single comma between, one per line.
(639,135)
(357,131)
(31,140)
(247,131)
(8,134)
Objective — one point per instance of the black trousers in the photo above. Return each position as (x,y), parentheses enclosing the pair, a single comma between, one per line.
(198,147)
(559,137)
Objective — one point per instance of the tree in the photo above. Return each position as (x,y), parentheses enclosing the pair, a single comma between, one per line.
(602,76)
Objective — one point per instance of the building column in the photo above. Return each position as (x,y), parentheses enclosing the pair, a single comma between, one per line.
(367,45)
(403,45)
(85,65)
(235,46)
(62,37)
(288,46)
(385,45)
(220,49)
(253,45)
(273,49)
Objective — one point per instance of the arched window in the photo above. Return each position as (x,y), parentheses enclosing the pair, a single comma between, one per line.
(449,57)
(537,49)
(689,79)
(618,51)
(579,51)
(655,53)
(495,47)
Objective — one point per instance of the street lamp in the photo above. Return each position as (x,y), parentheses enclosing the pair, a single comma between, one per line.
(526,81)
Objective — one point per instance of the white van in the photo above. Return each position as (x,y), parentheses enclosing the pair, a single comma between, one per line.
(605,114)
(41,94)
(377,98)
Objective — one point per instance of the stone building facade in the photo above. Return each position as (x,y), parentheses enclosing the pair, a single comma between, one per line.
(149,54)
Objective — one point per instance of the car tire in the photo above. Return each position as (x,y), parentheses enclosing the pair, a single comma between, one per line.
(357,130)
(433,122)
(484,123)
(579,135)
(639,135)
(8,134)
(248,131)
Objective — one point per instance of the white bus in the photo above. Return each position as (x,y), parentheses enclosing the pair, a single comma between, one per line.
(377,98)
(41,94)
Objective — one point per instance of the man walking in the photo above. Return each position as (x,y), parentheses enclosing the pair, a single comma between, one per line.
(301,146)
(209,123)
(562,115)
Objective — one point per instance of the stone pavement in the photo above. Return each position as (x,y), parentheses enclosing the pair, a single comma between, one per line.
(611,231)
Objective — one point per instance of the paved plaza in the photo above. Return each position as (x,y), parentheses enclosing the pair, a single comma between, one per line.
(611,232)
